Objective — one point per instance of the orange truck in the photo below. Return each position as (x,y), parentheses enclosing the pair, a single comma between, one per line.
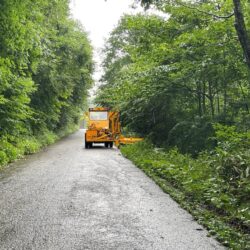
(103,126)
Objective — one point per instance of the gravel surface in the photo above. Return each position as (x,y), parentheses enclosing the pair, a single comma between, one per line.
(68,197)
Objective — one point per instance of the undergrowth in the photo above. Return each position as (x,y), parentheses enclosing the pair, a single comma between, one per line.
(13,148)
(214,187)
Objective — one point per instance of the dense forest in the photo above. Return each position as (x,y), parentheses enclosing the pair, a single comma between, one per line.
(45,72)
(182,81)
(178,75)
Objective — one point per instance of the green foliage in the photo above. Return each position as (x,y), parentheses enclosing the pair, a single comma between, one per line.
(45,72)
(29,145)
(192,137)
(12,148)
(201,187)
(232,159)
(3,158)
(163,73)
(10,151)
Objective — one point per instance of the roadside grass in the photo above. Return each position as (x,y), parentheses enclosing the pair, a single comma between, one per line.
(216,198)
(13,148)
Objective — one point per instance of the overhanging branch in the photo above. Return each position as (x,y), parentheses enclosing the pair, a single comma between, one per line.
(205,12)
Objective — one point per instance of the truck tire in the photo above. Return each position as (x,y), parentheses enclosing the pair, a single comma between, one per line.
(111,144)
(86,143)
(106,144)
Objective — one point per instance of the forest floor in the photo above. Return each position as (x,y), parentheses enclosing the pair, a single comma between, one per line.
(68,197)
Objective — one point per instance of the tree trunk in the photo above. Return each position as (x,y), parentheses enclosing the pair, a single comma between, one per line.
(204,98)
(225,100)
(224,86)
(211,99)
(241,31)
(218,104)
(244,97)
(199,98)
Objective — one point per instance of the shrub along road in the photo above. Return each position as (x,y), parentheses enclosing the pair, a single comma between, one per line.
(68,197)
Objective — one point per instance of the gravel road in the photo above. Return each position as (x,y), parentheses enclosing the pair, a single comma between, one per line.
(68,197)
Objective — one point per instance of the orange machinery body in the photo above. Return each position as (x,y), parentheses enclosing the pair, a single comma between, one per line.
(104,127)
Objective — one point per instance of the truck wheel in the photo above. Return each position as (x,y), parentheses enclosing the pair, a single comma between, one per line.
(87,145)
(111,144)
(106,144)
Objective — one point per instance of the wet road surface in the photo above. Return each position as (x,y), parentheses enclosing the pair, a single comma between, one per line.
(68,197)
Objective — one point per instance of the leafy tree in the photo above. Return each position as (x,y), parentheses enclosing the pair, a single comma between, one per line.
(163,72)
(45,69)
(240,11)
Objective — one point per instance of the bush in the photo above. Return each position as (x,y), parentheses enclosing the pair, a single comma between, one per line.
(46,138)
(3,158)
(12,148)
(9,149)
(28,145)
(192,137)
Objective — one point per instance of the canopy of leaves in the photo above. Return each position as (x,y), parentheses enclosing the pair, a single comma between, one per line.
(45,67)
(188,68)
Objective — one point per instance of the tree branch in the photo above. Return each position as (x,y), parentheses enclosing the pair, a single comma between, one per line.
(206,13)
